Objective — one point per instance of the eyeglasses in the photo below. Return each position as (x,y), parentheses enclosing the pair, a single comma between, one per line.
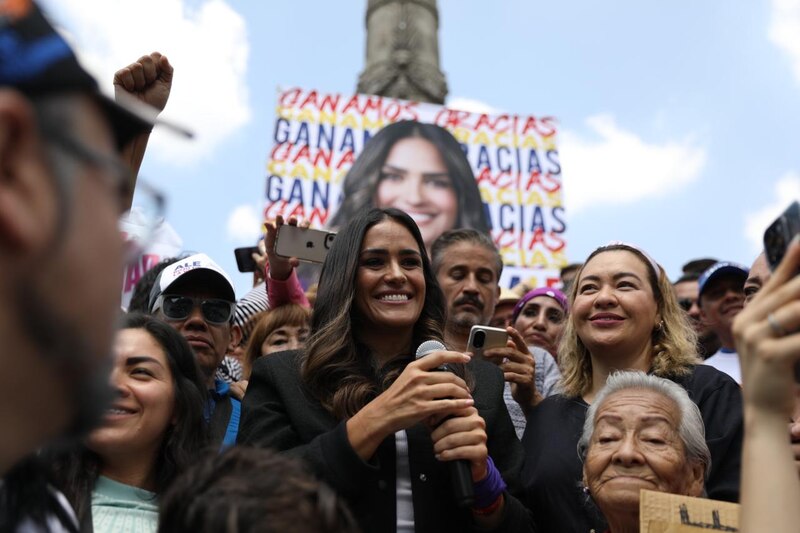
(686,303)
(214,311)
(137,223)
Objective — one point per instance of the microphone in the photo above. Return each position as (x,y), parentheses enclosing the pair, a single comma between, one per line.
(460,472)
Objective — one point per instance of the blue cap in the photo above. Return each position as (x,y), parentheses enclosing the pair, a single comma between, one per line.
(719,269)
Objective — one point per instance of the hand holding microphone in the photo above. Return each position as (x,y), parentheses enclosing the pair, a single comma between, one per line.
(461,440)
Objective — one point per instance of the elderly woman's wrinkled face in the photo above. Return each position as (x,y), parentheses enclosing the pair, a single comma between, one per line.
(636,445)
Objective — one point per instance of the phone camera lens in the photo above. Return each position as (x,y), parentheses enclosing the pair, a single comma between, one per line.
(479,339)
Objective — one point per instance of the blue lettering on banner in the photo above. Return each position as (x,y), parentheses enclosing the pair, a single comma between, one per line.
(274,184)
(296,194)
(533,162)
(552,156)
(561,227)
(503,150)
(347,141)
(503,224)
(282,133)
(483,158)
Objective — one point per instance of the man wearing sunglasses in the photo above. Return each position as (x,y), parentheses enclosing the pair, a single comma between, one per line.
(687,292)
(196,297)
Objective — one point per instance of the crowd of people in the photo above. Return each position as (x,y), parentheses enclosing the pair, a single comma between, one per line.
(360,404)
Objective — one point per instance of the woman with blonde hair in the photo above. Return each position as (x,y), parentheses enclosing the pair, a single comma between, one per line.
(623,316)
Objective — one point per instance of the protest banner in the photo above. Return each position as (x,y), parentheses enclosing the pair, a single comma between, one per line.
(513,158)
(164,243)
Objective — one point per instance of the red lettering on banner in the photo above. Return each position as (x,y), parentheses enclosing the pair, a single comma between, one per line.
(549,126)
(536,178)
(331,101)
(274,209)
(502,179)
(323,156)
(319,216)
(352,103)
(392,111)
(134,272)
(412,111)
(539,238)
(311,98)
(303,153)
(289,98)
(280,152)
(505,239)
(347,159)
(484,121)
(452,117)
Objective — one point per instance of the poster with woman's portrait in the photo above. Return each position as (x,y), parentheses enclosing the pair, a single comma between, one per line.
(334,155)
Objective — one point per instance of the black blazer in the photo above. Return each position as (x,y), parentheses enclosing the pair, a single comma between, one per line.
(279,412)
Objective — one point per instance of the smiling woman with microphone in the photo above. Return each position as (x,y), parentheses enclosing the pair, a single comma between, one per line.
(381,426)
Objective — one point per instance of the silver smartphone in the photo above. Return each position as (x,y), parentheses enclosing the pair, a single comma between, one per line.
(306,244)
(483,338)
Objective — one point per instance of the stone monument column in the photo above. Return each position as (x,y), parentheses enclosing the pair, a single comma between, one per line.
(403,51)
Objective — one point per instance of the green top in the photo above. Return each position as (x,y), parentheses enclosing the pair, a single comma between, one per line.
(121,508)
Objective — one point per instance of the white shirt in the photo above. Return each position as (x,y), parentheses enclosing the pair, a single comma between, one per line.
(727,361)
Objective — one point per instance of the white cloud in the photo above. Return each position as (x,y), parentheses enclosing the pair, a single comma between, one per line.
(618,167)
(244,224)
(786,189)
(784,30)
(471,105)
(205,42)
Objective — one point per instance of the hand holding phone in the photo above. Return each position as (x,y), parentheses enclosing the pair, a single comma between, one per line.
(482,338)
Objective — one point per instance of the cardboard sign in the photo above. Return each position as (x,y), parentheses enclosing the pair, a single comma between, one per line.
(660,512)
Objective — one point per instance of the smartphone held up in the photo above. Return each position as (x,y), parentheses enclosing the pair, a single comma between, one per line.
(310,245)
(777,238)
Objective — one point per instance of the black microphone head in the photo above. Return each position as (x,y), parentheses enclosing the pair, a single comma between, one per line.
(429,346)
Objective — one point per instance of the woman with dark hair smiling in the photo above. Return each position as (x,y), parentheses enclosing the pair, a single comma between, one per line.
(623,315)
(378,425)
(153,430)
(418,168)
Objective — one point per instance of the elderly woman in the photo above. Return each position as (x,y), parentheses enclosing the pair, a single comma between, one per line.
(382,427)
(641,432)
(623,316)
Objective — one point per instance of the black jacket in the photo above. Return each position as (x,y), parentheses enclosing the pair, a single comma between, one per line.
(553,471)
(278,412)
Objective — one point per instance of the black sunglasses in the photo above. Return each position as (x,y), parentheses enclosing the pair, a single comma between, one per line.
(685,303)
(214,311)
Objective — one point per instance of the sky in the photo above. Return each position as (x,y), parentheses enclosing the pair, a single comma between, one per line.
(678,120)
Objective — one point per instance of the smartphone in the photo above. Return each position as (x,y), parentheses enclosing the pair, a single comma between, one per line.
(310,245)
(244,258)
(483,338)
(776,239)
(780,233)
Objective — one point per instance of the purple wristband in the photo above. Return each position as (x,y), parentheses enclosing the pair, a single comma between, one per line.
(489,488)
